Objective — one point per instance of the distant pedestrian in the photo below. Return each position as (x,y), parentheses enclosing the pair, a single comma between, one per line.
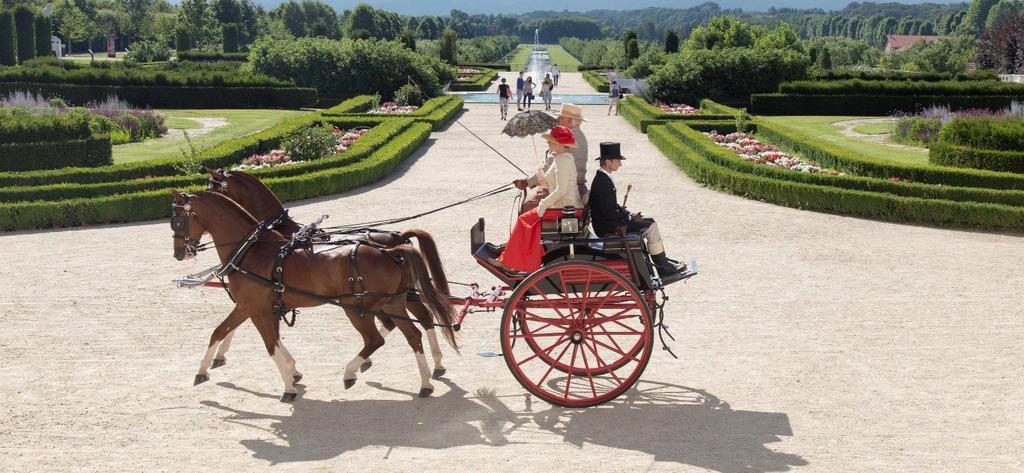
(528,92)
(555,73)
(520,94)
(614,94)
(545,91)
(504,94)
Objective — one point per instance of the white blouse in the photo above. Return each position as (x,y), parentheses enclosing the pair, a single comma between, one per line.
(562,176)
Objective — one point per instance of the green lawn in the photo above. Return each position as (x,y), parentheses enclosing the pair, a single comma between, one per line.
(821,128)
(874,129)
(239,123)
(566,62)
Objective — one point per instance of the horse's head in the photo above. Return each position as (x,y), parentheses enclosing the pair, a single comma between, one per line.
(249,192)
(187,227)
(218,179)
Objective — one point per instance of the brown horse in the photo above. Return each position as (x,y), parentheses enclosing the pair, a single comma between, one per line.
(262,203)
(381,280)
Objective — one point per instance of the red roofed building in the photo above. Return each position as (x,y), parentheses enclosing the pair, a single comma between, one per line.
(901,42)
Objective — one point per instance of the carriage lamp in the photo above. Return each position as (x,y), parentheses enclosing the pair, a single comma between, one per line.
(569,225)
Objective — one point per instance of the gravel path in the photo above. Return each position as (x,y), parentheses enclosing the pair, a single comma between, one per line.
(809,341)
(846,128)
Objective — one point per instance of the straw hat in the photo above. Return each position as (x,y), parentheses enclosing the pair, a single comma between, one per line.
(571,111)
(562,136)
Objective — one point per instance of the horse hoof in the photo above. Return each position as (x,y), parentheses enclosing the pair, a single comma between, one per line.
(200,379)
(439,372)
(288,397)
(365,366)
(426,392)
(218,362)
(349,383)
(296,377)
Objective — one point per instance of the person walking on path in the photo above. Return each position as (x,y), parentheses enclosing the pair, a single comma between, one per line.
(504,94)
(614,94)
(520,94)
(528,92)
(555,73)
(545,91)
(571,117)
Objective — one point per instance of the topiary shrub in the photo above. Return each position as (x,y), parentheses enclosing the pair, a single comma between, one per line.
(43,29)
(8,51)
(230,37)
(25,25)
(182,41)
(148,51)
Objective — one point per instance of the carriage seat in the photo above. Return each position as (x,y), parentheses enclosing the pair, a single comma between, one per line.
(568,224)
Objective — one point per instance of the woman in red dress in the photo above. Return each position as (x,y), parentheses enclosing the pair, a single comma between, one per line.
(524,251)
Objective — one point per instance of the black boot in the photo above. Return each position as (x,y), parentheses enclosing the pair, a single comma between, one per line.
(665,266)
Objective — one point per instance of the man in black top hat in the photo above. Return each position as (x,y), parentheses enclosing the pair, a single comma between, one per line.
(610,218)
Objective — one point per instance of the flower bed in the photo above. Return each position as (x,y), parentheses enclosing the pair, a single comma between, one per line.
(752,150)
(392,108)
(678,108)
(278,157)
(469,70)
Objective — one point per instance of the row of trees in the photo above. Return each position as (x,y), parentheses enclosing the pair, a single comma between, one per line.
(24,35)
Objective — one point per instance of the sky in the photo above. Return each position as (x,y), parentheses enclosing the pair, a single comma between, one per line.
(436,7)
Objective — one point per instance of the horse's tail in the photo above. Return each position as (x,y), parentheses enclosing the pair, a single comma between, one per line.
(442,313)
(429,251)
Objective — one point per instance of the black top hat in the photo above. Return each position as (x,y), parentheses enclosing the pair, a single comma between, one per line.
(610,150)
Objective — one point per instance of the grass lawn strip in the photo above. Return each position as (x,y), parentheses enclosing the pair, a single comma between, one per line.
(557,55)
(239,123)
(821,128)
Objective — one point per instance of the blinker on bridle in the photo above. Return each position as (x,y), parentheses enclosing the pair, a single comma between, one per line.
(181,223)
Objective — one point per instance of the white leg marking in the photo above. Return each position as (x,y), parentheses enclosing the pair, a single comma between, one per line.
(352,366)
(421,364)
(435,349)
(288,357)
(281,360)
(204,365)
(225,345)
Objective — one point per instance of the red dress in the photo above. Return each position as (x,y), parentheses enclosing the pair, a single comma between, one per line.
(524,251)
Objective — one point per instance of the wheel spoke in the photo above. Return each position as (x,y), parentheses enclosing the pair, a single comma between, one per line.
(600,361)
(536,335)
(572,363)
(631,357)
(552,366)
(544,351)
(590,376)
(610,338)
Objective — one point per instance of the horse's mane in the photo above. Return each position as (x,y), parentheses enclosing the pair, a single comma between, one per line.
(228,203)
(252,180)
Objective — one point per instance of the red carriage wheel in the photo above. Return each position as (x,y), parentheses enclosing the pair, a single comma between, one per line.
(576,333)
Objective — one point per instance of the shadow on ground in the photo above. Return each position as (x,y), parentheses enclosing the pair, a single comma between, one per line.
(672,423)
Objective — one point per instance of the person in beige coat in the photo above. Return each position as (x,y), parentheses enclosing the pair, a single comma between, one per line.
(524,252)
(570,116)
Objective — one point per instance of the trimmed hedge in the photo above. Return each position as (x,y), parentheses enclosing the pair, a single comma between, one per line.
(728,158)
(598,81)
(495,66)
(153,204)
(871,105)
(208,56)
(436,111)
(382,133)
(173,96)
(225,153)
(358,104)
(947,154)
(831,199)
(92,151)
(25,128)
(711,107)
(901,88)
(641,114)
(845,74)
(1000,134)
(481,81)
(853,162)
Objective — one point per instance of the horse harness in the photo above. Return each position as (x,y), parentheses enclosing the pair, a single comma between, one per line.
(307,236)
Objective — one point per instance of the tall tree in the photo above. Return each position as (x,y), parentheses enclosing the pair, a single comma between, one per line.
(1001,11)
(8,42)
(44,43)
(294,18)
(25,30)
(449,46)
(72,24)
(977,13)
(671,42)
